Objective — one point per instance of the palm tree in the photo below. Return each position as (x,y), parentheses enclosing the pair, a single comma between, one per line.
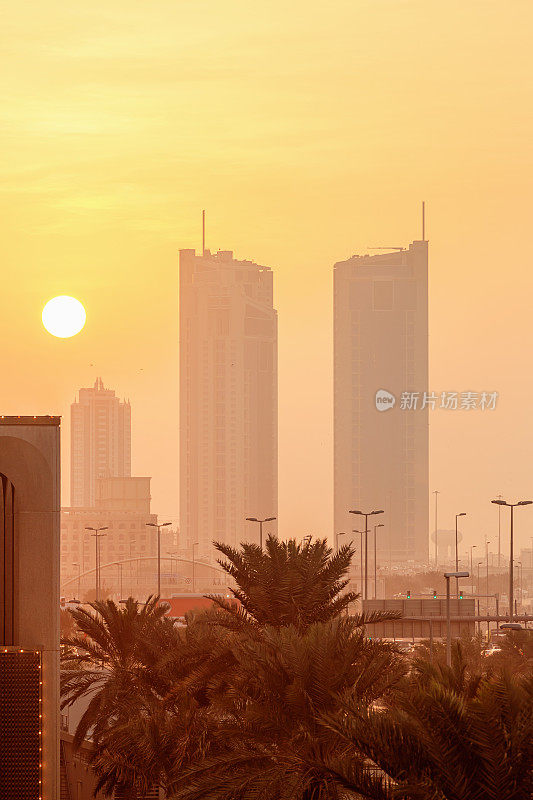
(464,676)
(438,744)
(516,652)
(269,738)
(112,662)
(469,645)
(286,583)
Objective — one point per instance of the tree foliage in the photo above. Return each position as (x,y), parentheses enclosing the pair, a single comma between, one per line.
(283,696)
(286,583)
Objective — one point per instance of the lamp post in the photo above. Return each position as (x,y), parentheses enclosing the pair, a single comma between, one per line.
(472,548)
(462,514)
(366,515)
(379,525)
(195,544)
(172,555)
(487,573)
(449,575)
(79,580)
(355,530)
(83,538)
(260,521)
(436,493)
(341,533)
(155,525)
(512,506)
(132,542)
(500,497)
(119,565)
(479,563)
(520,566)
(97,536)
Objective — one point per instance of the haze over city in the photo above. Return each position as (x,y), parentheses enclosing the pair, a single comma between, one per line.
(306,142)
(266,494)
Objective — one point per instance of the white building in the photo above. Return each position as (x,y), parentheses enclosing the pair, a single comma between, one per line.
(228,399)
(100,441)
(381,343)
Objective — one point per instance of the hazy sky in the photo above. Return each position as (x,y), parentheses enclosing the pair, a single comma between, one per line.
(309,131)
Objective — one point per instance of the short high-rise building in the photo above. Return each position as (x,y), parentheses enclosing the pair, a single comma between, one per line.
(228,399)
(122,506)
(100,441)
(381,444)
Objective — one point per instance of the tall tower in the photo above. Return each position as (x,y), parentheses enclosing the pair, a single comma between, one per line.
(29,607)
(381,343)
(228,399)
(100,441)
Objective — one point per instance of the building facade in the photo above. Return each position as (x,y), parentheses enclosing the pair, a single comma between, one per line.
(100,441)
(29,607)
(228,399)
(381,358)
(122,506)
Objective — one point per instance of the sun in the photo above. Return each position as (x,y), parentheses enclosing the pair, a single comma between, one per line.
(63,316)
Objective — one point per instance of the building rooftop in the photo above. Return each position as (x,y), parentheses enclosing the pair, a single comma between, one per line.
(27,420)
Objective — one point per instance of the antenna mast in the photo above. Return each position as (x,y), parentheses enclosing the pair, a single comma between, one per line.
(423,220)
(203,232)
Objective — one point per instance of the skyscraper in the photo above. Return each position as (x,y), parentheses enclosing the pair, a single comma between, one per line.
(228,399)
(381,448)
(100,441)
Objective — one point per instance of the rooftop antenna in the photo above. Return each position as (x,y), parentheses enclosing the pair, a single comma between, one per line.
(203,232)
(423,220)
(386,248)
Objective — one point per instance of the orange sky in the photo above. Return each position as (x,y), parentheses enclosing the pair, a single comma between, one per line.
(309,131)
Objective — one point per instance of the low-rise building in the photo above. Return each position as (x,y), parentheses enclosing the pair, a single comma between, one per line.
(122,507)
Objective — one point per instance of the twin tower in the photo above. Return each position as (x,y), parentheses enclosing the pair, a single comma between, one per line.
(229,398)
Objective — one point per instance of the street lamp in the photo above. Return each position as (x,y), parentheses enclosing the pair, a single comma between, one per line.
(436,493)
(379,525)
(97,538)
(355,530)
(472,548)
(119,565)
(462,514)
(366,515)
(512,506)
(132,542)
(341,533)
(487,573)
(260,521)
(155,525)
(79,578)
(478,591)
(449,575)
(195,544)
(520,585)
(500,497)
(172,555)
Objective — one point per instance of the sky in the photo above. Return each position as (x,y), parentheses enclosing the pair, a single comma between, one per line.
(309,132)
